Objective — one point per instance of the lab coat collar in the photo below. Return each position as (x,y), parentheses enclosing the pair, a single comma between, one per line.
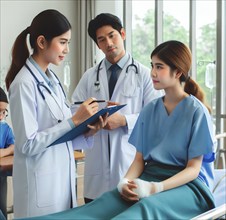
(41,79)
(121,63)
(51,80)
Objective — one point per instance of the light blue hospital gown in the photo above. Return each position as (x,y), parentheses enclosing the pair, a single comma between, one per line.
(176,138)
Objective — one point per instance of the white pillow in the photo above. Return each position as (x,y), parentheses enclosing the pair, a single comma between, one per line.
(219,189)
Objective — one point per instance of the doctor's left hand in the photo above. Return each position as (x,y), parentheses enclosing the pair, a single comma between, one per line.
(85,110)
(116,120)
(97,126)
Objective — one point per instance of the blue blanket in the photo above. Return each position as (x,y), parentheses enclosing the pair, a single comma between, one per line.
(183,202)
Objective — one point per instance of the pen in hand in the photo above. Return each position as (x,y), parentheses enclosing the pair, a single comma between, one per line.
(80,102)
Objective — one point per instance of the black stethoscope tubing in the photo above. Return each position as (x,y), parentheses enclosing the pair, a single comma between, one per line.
(97,83)
(41,84)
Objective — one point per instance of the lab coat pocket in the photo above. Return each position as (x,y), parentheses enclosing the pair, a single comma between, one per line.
(131,92)
(134,101)
(46,188)
(131,86)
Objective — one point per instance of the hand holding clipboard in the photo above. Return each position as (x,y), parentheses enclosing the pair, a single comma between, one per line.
(82,128)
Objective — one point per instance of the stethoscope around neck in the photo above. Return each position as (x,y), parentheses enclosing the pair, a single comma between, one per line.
(42,85)
(97,82)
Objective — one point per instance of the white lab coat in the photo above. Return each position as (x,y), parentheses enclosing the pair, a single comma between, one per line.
(43,177)
(135,90)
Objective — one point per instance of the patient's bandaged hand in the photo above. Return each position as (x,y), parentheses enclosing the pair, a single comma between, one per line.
(145,188)
(121,183)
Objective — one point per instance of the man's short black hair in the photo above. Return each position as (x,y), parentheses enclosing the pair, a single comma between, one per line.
(101,20)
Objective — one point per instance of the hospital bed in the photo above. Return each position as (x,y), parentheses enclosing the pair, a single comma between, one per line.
(219,193)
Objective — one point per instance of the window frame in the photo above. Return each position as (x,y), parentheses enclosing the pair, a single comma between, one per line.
(220,39)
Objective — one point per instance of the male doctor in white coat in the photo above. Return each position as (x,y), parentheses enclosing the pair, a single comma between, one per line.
(108,161)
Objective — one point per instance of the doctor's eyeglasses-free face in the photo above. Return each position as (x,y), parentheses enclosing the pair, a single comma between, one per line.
(4,112)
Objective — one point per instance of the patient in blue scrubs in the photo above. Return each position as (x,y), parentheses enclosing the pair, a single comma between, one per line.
(172,173)
(6,148)
(6,136)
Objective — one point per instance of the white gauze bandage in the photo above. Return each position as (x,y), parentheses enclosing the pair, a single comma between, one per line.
(121,183)
(158,186)
(143,188)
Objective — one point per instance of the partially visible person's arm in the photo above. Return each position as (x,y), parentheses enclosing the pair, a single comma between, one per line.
(136,167)
(7,151)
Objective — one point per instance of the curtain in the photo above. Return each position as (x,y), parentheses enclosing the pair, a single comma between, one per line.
(85,11)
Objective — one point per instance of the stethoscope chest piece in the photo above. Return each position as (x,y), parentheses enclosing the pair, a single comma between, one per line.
(97,85)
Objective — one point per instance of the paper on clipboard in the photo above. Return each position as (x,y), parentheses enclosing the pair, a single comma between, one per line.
(82,128)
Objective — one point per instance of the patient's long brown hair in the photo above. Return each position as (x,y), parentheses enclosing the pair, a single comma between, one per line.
(178,56)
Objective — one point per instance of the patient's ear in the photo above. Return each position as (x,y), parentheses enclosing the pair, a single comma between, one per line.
(178,74)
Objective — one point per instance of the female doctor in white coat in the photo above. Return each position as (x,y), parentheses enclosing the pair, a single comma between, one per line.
(44,175)
(112,155)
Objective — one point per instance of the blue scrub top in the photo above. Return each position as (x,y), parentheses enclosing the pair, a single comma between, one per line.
(6,135)
(176,138)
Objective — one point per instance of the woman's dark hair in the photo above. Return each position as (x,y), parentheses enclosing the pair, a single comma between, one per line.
(178,57)
(49,23)
(101,20)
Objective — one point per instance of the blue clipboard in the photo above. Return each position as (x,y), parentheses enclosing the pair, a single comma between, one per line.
(82,128)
